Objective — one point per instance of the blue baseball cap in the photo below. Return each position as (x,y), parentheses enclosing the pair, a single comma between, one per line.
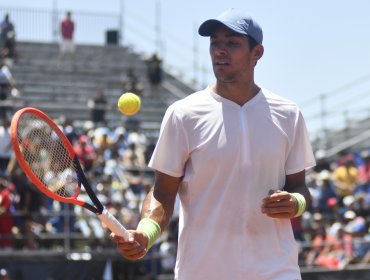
(237,21)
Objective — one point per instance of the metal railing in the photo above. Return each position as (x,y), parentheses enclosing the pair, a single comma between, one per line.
(40,25)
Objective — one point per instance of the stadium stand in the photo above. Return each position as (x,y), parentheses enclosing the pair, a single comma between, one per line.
(64,88)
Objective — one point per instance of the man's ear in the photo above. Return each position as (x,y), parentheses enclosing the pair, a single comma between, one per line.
(258,52)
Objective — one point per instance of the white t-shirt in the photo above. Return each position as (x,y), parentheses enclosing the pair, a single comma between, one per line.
(230,156)
(5,147)
(5,75)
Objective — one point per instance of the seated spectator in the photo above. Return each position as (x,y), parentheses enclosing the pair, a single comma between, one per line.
(7,83)
(337,252)
(345,178)
(8,50)
(361,246)
(6,217)
(321,190)
(5,147)
(131,82)
(119,144)
(297,228)
(134,156)
(102,143)
(317,246)
(361,204)
(29,202)
(4,275)
(364,170)
(138,137)
(154,68)
(98,107)
(85,152)
(334,209)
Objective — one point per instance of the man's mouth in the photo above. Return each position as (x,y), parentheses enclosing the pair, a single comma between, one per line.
(221,63)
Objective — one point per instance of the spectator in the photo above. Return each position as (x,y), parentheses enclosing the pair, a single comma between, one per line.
(327,190)
(67,28)
(29,202)
(337,252)
(357,229)
(134,156)
(98,107)
(317,246)
(4,275)
(5,147)
(7,41)
(137,137)
(6,218)
(345,178)
(85,152)
(322,163)
(364,170)
(154,67)
(297,228)
(334,210)
(119,144)
(131,82)
(6,85)
(68,128)
(103,145)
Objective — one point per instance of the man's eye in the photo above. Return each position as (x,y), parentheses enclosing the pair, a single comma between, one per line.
(232,43)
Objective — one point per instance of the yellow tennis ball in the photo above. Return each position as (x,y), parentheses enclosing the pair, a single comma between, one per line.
(129,103)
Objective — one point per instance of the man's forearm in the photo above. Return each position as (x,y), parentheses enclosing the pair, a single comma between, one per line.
(158,207)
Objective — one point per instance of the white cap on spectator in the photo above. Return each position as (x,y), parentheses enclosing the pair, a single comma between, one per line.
(348,200)
(350,215)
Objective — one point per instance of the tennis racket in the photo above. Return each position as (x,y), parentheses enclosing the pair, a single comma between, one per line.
(47,157)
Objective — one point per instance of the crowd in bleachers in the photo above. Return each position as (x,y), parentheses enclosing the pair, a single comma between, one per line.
(115,161)
(335,230)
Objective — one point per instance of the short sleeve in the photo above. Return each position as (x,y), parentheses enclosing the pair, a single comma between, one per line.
(300,156)
(172,148)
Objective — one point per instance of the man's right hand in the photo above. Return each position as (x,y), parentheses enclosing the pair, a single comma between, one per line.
(134,248)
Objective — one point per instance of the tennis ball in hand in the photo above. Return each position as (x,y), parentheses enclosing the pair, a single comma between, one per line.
(129,103)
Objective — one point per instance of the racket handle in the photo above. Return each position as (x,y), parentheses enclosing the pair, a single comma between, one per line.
(113,224)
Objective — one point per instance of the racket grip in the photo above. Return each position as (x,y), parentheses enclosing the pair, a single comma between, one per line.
(113,224)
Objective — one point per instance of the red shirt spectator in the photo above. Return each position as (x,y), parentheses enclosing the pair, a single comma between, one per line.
(6,218)
(85,152)
(67,27)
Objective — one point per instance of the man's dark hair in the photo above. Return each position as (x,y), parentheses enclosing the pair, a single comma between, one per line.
(252,42)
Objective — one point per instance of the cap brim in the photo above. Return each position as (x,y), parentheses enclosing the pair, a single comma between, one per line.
(207,27)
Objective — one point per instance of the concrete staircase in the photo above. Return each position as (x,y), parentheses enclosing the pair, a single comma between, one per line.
(63,87)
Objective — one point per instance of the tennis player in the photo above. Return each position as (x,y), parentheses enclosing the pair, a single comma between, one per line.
(236,154)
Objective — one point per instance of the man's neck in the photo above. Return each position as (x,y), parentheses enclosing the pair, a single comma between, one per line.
(237,93)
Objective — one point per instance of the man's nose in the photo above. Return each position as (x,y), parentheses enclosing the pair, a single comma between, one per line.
(220,49)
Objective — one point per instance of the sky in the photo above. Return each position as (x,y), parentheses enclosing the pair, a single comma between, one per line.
(317,52)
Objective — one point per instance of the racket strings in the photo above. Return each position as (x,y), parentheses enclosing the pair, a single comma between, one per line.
(46,155)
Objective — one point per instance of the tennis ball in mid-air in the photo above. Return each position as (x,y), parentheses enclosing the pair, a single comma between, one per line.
(129,103)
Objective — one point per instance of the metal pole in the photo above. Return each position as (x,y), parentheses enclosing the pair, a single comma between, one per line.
(158,26)
(323,120)
(121,21)
(54,21)
(347,125)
